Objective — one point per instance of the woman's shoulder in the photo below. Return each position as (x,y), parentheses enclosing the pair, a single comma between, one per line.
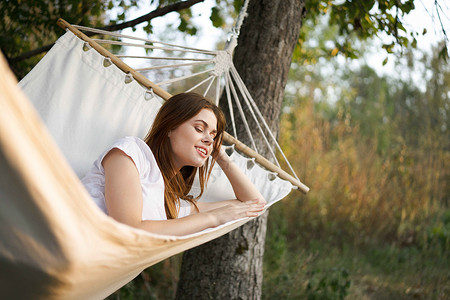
(130,140)
(134,147)
(141,155)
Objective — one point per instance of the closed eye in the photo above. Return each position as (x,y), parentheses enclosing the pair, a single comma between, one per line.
(201,126)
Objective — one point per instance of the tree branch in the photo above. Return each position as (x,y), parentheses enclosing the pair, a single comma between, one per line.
(437,7)
(114,27)
(156,13)
(31,53)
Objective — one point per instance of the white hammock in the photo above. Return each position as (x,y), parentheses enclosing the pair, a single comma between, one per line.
(215,76)
(54,242)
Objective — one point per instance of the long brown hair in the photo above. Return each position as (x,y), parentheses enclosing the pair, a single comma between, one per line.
(174,112)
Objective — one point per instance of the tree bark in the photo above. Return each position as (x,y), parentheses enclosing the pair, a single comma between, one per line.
(230,267)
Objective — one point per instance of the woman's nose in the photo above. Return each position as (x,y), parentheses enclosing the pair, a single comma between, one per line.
(207,139)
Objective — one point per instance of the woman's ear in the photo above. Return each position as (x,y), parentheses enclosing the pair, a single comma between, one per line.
(168,134)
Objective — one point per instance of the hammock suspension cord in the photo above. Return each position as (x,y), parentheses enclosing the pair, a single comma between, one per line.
(222,71)
(222,65)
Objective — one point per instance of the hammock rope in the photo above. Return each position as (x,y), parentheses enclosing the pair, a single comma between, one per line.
(230,105)
(218,90)
(115,34)
(240,19)
(200,83)
(241,111)
(222,66)
(249,98)
(244,96)
(212,78)
(169,81)
(165,58)
(223,63)
(119,43)
(173,66)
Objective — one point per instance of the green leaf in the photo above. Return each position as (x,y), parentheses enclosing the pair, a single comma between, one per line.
(183,25)
(388,47)
(443,54)
(216,18)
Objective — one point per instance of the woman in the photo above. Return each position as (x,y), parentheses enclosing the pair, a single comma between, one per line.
(145,184)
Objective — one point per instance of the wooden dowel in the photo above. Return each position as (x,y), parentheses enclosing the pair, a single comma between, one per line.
(165,95)
(265,162)
(119,63)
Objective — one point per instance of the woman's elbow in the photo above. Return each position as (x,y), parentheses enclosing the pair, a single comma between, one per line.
(262,200)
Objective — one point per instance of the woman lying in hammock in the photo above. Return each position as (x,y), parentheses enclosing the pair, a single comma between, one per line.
(145,184)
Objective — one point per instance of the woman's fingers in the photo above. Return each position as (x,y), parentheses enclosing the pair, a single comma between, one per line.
(253,208)
(235,211)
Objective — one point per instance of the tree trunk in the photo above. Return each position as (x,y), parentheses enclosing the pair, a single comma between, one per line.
(230,267)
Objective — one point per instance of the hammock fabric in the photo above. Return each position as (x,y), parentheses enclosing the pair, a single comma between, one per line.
(54,242)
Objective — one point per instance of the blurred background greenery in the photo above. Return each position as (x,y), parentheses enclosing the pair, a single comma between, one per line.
(376,224)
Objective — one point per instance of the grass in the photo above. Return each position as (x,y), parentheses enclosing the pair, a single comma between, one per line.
(339,268)
(375,225)
(327,269)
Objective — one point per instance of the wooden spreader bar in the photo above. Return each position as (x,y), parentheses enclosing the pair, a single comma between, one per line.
(165,95)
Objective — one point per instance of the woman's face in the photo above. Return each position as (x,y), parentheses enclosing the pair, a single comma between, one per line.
(192,141)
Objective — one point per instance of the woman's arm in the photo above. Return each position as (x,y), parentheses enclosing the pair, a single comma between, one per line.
(200,221)
(207,206)
(123,196)
(242,186)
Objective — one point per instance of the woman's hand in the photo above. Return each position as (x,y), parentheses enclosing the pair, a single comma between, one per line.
(242,186)
(223,157)
(234,210)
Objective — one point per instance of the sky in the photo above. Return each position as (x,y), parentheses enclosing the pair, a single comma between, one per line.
(206,37)
(424,16)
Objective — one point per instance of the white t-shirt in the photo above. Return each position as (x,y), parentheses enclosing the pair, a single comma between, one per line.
(152,182)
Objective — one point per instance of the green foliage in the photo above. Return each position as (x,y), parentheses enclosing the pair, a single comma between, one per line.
(376,154)
(333,269)
(216,19)
(381,148)
(352,21)
(27,25)
(185,24)
(328,285)
(437,236)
